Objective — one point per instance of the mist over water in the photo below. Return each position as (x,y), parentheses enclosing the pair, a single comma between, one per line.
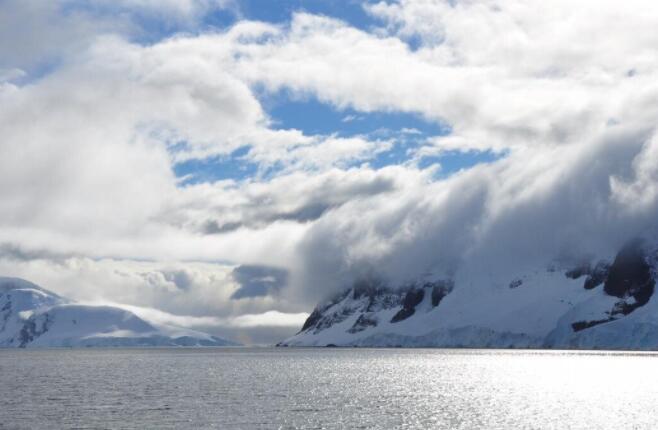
(326,388)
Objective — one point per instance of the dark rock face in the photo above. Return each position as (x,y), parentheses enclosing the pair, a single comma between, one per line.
(403,314)
(27,333)
(411,300)
(6,312)
(582,325)
(368,297)
(440,289)
(579,271)
(598,275)
(516,283)
(318,313)
(363,322)
(312,319)
(630,276)
(31,330)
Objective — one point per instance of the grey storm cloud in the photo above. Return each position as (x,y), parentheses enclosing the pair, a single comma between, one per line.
(306,213)
(214,227)
(12,251)
(310,212)
(315,201)
(258,281)
(180,278)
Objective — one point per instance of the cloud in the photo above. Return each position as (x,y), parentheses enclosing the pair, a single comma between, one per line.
(180,278)
(266,319)
(194,289)
(74,174)
(271,319)
(160,317)
(94,119)
(262,329)
(45,34)
(257,281)
(213,227)
(639,191)
(299,197)
(173,7)
(12,251)
(309,212)
(538,87)
(524,211)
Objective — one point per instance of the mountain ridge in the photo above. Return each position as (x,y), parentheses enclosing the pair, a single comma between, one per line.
(599,304)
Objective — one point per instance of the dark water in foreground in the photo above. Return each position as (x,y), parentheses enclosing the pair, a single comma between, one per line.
(326,388)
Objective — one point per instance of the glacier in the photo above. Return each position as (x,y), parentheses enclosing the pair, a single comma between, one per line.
(31,316)
(605,304)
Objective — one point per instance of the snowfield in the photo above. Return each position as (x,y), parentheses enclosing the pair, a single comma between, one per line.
(31,316)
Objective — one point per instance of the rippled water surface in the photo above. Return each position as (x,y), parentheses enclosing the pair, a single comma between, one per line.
(326,388)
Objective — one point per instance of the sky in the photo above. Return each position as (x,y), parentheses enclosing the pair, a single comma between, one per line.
(227,164)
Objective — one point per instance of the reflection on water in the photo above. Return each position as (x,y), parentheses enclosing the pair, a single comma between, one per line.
(326,388)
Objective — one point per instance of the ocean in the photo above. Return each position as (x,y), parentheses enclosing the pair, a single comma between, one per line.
(326,388)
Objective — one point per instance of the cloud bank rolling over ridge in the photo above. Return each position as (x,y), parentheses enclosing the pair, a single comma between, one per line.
(99,110)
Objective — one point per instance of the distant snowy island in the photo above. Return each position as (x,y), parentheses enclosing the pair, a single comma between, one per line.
(31,316)
(604,304)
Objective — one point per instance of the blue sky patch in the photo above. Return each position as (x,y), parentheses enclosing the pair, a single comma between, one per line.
(154,27)
(409,131)
(454,161)
(314,117)
(350,11)
(233,166)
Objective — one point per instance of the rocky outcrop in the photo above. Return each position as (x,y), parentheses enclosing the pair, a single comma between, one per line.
(367,300)
(412,298)
(440,289)
(33,328)
(363,322)
(629,278)
(597,276)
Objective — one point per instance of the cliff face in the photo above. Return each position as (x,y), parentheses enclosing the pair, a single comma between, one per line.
(599,304)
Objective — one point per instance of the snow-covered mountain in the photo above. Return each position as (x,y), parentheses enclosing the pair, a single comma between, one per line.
(31,316)
(598,304)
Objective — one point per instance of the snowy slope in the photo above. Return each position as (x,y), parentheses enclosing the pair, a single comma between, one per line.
(601,304)
(31,316)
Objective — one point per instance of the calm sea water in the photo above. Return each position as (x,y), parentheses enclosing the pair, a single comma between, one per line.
(326,388)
